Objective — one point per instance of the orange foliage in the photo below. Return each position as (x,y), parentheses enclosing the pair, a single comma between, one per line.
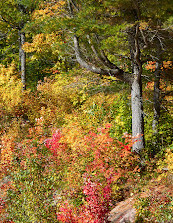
(95,153)
(151,65)
(7,148)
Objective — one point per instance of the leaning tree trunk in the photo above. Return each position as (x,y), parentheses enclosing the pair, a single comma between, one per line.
(22,59)
(133,79)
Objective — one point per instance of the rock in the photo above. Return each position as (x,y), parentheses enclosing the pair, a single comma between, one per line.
(124,212)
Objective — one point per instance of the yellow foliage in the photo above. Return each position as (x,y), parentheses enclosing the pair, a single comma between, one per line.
(169,160)
(143,25)
(92,111)
(48,115)
(10,87)
(167,164)
(167,64)
(73,135)
(49,9)
(97,110)
(62,92)
(42,43)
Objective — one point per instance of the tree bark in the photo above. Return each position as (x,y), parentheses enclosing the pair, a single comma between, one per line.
(156,98)
(136,93)
(156,107)
(137,113)
(22,59)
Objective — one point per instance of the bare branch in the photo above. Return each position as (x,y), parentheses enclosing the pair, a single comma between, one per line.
(105,59)
(99,57)
(118,73)
(144,39)
(74,5)
(137,49)
(123,56)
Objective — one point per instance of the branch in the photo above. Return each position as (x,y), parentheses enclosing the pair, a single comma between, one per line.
(144,39)
(71,6)
(161,43)
(95,51)
(6,21)
(74,5)
(107,62)
(101,57)
(137,49)
(117,72)
(122,56)
(3,35)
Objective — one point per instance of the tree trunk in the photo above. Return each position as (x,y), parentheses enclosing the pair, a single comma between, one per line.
(136,93)
(156,107)
(22,59)
(156,98)
(137,113)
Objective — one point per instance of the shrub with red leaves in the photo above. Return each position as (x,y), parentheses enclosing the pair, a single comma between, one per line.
(95,208)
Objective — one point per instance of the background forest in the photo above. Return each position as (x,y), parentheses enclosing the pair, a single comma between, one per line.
(85,109)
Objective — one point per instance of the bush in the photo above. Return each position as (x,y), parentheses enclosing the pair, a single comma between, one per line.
(10,87)
(156,208)
(95,155)
(97,203)
(33,179)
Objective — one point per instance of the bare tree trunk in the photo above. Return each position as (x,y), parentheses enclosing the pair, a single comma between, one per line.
(22,59)
(156,98)
(137,113)
(156,107)
(136,94)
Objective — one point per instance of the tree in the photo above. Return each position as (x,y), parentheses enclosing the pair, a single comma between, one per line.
(159,41)
(14,14)
(112,38)
(128,27)
(106,13)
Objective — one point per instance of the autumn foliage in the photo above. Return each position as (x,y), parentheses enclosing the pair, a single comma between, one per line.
(94,164)
(92,167)
(64,156)
(96,205)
